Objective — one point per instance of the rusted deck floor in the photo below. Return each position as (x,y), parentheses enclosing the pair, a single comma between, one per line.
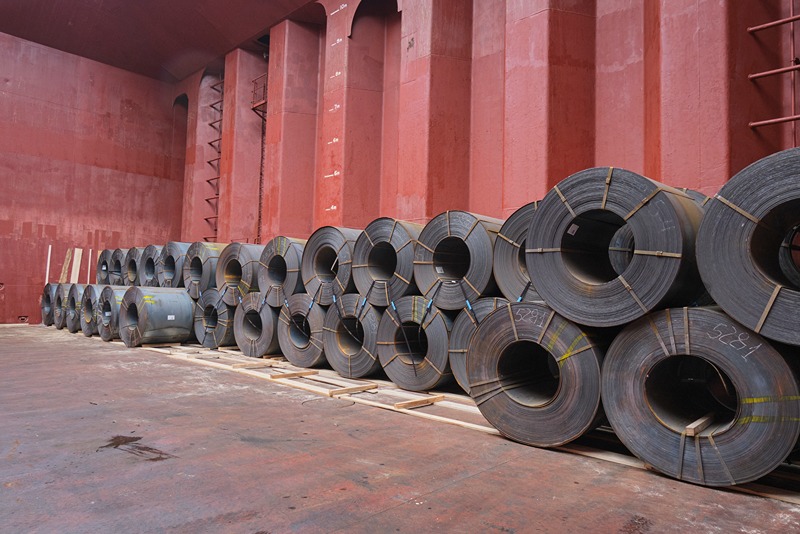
(98,438)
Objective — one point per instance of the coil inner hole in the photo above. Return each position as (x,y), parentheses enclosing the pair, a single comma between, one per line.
(326,264)
(276,269)
(529,374)
(350,336)
(451,259)
(104,266)
(88,309)
(116,268)
(132,316)
(382,261)
(585,244)
(106,313)
(411,343)
(299,331)
(252,327)
(149,269)
(169,268)
(210,317)
(233,273)
(132,270)
(681,389)
(71,305)
(196,269)
(47,303)
(620,251)
(775,246)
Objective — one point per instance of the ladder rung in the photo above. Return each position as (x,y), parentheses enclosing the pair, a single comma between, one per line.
(215,85)
(212,218)
(215,197)
(212,179)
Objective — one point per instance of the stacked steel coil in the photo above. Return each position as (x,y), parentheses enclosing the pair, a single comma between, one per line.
(350,336)
(169,267)
(300,325)
(280,276)
(328,263)
(74,312)
(147,269)
(200,267)
(131,267)
(237,271)
(47,303)
(155,315)
(510,267)
(108,311)
(464,327)
(213,320)
(60,305)
(117,272)
(104,266)
(88,313)
(255,326)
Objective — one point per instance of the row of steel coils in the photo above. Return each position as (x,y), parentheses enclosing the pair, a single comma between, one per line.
(616,299)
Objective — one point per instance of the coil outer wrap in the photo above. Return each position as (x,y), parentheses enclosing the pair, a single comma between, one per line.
(237,271)
(509,394)
(160,315)
(255,326)
(117,272)
(47,304)
(103,275)
(74,312)
(464,242)
(131,266)
(60,305)
(465,325)
(88,313)
(739,246)
(350,336)
(147,266)
(752,442)
(510,268)
(327,263)
(300,324)
(568,247)
(169,268)
(415,357)
(279,276)
(213,320)
(108,311)
(383,260)
(200,267)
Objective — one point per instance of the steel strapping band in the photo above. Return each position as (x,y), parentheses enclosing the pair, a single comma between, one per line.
(605,191)
(767,308)
(564,200)
(630,290)
(737,209)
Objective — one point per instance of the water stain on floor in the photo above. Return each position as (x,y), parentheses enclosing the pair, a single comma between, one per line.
(129,444)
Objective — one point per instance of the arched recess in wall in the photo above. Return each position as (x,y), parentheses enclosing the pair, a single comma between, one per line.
(373,86)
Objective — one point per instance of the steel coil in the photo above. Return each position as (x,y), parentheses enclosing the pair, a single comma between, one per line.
(104,266)
(464,327)
(213,320)
(413,338)
(383,260)
(327,263)
(279,276)
(453,258)
(535,375)
(700,397)
(88,309)
(155,315)
(74,313)
(237,271)
(789,256)
(60,305)
(108,311)
(510,268)
(48,302)
(116,272)
(147,266)
(572,229)
(350,336)
(169,267)
(255,326)
(131,275)
(200,267)
(739,246)
(300,326)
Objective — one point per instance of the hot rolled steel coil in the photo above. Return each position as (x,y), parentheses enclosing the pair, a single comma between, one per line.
(169,267)
(327,263)
(280,276)
(108,306)
(300,326)
(104,266)
(200,267)
(510,268)
(147,266)
(60,305)
(572,229)
(48,303)
(700,397)
(155,315)
(350,336)
(89,309)
(383,260)
(739,246)
(535,375)
(237,271)
(255,326)
(453,258)
(117,272)
(413,338)
(131,267)
(74,311)
(789,256)
(213,320)
(464,327)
